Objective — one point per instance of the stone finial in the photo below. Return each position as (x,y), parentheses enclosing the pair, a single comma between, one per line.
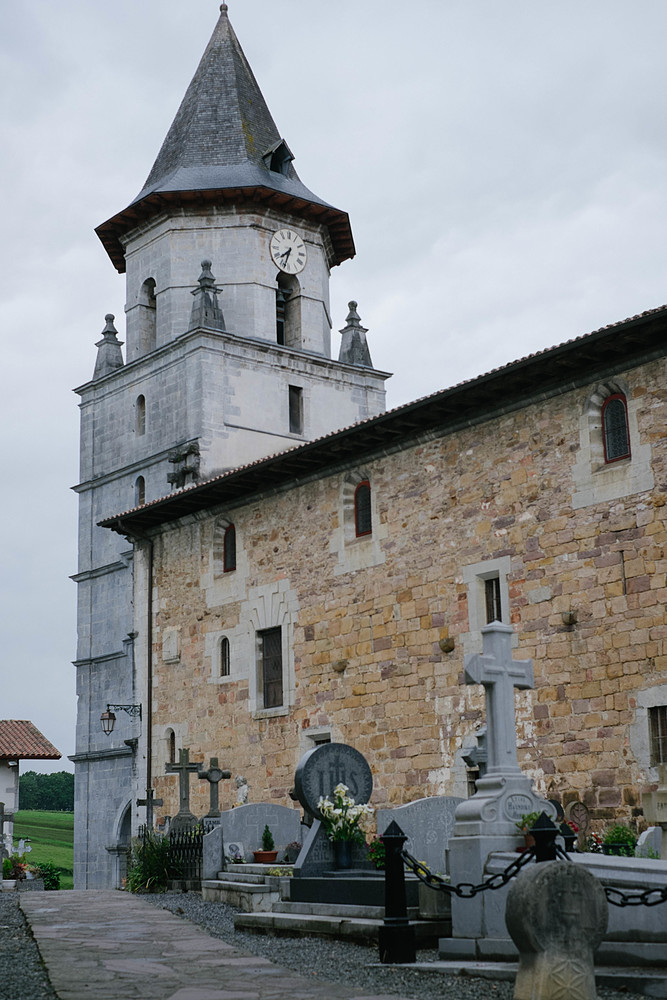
(109,354)
(223,8)
(353,346)
(206,311)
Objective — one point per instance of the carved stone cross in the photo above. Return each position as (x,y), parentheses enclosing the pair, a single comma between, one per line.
(214,775)
(183,769)
(500,674)
(150,802)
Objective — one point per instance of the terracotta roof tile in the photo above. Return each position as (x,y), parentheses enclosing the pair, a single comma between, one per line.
(20,740)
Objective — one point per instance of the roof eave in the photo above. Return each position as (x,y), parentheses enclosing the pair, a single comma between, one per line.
(113,230)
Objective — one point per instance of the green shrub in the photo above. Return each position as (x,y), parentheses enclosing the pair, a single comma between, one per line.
(622,837)
(50,873)
(267,839)
(148,868)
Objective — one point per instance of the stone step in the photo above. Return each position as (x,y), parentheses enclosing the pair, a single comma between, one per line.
(332,925)
(325,909)
(247,878)
(253,869)
(247,896)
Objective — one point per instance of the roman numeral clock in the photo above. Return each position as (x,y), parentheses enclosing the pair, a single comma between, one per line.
(288,251)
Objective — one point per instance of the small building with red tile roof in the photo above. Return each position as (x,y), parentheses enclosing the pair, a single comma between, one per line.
(19,740)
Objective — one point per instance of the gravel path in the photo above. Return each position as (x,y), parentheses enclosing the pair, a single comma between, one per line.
(23,977)
(341,961)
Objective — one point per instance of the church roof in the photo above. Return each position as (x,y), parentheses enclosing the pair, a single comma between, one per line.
(221,146)
(20,740)
(539,376)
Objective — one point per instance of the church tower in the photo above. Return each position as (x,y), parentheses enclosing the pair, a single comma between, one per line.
(227,257)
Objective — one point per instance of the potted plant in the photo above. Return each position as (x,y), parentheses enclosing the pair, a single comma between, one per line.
(525,825)
(342,820)
(268,853)
(377,852)
(619,840)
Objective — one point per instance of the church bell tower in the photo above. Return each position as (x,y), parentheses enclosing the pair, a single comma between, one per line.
(227,256)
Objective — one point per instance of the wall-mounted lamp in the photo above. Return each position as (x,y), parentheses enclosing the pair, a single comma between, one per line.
(108,718)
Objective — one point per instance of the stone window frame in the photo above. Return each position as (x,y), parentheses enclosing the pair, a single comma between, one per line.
(224,658)
(363,512)
(657,726)
(596,480)
(270,606)
(140,415)
(262,655)
(295,398)
(475,577)
(229,549)
(356,552)
(640,728)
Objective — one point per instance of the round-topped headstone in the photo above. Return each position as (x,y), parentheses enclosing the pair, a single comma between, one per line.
(326,766)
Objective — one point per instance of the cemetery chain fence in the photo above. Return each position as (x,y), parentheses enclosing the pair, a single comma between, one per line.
(467,890)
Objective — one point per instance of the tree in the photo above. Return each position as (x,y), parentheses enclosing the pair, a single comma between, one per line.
(54,792)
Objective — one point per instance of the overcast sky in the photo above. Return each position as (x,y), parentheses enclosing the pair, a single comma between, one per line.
(503,163)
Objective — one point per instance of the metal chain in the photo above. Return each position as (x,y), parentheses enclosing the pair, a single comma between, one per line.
(619,898)
(466,890)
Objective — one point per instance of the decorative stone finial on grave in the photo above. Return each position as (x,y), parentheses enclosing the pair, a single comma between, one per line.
(184,819)
(353,346)
(557,915)
(206,309)
(504,794)
(214,776)
(109,354)
(242,789)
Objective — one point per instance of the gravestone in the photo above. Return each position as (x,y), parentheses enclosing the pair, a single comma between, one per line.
(486,822)
(650,843)
(245,825)
(184,819)
(577,813)
(557,915)
(428,824)
(319,771)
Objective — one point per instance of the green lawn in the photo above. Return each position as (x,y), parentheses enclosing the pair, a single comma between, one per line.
(51,838)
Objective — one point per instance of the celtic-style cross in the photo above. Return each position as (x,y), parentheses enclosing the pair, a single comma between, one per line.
(150,802)
(500,674)
(214,775)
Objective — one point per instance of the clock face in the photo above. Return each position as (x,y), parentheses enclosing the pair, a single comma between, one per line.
(288,251)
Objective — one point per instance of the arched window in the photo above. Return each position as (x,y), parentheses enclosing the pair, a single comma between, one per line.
(171,746)
(288,310)
(615,434)
(229,549)
(362,509)
(140,416)
(224,657)
(139,491)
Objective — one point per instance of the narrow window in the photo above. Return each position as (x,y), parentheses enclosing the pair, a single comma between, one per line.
(295,409)
(657,719)
(224,656)
(615,433)
(229,549)
(492,597)
(281,299)
(362,509)
(140,416)
(139,491)
(271,655)
(171,736)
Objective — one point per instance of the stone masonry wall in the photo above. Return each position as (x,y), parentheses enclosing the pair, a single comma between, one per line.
(365,617)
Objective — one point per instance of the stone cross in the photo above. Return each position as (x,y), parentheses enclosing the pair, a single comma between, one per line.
(214,775)
(150,802)
(183,769)
(500,674)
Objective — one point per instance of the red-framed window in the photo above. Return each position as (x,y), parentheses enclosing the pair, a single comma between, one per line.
(615,431)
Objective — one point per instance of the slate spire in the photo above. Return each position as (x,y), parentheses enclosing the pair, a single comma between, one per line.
(223,119)
(109,354)
(353,346)
(224,147)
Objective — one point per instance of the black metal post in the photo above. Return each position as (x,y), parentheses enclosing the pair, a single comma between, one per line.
(396,937)
(569,836)
(544,832)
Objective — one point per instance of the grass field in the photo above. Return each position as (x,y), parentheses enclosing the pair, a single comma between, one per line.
(51,838)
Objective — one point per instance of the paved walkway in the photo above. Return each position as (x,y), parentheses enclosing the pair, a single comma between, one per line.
(111,945)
